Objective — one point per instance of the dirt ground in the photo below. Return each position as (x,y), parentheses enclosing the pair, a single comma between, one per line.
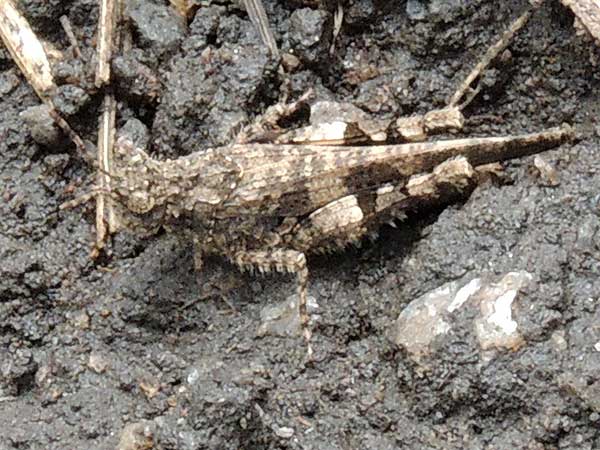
(136,347)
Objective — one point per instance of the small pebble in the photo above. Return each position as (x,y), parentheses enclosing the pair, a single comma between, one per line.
(97,362)
(41,125)
(284,432)
(137,436)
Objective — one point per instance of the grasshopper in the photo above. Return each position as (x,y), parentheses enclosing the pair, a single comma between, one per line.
(267,206)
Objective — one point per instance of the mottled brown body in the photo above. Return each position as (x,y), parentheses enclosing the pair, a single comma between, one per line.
(265,206)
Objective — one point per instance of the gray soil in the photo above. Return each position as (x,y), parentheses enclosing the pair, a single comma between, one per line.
(135,347)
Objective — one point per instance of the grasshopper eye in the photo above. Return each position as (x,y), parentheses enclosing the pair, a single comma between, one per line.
(140,202)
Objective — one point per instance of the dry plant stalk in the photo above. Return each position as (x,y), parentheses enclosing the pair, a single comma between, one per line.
(109,11)
(588,14)
(338,20)
(106,220)
(64,21)
(26,49)
(490,55)
(258,16)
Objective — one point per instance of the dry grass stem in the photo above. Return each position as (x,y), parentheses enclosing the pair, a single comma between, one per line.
(26,49)
(338,20)
(64,21)
(109,16)
(258,16)
(108,39)
(489,56)
(106,221)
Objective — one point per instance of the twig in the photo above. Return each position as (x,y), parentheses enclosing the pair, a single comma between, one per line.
(106,220)
(66,128)
(26,49)
(64,21)
(338,20)
(109,12)
(489,56)
(258,16)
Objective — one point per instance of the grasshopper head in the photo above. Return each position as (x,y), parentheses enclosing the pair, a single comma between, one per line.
(137,187)
(153,192)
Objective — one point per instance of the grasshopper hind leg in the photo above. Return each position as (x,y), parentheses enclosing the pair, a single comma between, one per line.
(292,261)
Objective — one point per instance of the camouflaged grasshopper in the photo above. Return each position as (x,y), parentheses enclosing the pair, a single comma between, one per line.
(266,206)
